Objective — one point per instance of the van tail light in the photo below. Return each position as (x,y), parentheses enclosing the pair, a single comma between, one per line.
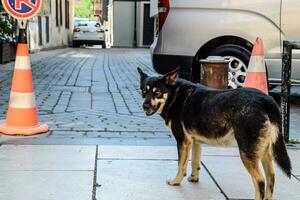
(163,11)
(76,30)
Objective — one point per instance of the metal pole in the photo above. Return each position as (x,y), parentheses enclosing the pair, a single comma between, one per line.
(288,46)
(135,31)
(286,89)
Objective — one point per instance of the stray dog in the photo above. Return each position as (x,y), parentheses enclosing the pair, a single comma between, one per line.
(200,115)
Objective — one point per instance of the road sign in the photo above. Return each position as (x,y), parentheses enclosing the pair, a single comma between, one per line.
(22,9)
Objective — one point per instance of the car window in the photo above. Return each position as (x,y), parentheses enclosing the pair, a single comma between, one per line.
(80,21)
(89,24)
(82,24)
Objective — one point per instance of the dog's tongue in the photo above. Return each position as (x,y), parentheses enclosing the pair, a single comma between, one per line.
(149,112)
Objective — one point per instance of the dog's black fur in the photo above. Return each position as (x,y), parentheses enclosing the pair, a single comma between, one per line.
(197,114)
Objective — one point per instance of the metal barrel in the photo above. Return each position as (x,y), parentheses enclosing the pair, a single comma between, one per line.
(214,72)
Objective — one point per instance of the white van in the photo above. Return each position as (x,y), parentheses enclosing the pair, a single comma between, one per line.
(190,30)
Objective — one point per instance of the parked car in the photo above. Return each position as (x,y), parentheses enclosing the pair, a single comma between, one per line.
(190,30)
(88,33)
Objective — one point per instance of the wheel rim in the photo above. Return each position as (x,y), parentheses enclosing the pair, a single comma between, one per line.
(236,72)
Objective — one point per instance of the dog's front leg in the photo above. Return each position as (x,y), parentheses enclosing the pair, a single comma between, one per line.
(184,148)
(195,162)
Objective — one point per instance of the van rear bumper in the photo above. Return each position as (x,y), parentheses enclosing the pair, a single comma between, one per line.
(163,63)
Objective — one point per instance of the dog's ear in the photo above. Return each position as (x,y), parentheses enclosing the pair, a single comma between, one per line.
(142,74)
(171,77)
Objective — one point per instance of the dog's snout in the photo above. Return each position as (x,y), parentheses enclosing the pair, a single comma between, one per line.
(146,106)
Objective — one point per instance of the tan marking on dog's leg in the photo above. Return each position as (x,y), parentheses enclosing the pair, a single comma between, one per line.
(196,154)
(252,165)
(269,172)
(184,158)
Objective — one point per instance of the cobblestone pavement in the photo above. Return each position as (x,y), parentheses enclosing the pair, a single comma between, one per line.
(91,96)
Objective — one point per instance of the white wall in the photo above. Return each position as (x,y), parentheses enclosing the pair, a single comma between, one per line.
(59,35)
(123,23)
(120,23)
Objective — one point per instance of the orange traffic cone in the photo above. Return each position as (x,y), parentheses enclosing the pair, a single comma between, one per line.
(256,73)
(21,116)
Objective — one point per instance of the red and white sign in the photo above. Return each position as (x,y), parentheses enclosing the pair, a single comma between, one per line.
(22,9)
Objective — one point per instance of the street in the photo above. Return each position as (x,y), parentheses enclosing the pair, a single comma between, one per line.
(90,96)
(101,145)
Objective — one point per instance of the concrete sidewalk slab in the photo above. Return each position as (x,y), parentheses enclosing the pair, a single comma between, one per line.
(146,180)
(295,155)
(49,172)
(46,185)
(158,152)
(235,181)
(47,157)
(129,172)
(140,172)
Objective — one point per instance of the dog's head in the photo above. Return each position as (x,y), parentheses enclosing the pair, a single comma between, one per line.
(156,90)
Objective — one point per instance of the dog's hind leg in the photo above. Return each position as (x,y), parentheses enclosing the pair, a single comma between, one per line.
(196,154)
(252,165)
(269,172)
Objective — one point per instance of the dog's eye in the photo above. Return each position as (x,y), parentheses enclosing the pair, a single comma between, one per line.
(144,93)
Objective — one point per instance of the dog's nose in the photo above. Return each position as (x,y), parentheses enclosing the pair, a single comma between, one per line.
(146,106)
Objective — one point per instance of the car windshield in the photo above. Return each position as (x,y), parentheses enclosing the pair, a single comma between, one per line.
(77,21)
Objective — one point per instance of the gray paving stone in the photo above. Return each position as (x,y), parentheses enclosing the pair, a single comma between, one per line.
(46,157)
(104,134)
(233,178)
(146,179)
(46,185)
(67,134)
(294,156)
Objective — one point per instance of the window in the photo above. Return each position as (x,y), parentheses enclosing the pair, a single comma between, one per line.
(56,13)
(47,30)
(60,11)
(40,30)
(67,14)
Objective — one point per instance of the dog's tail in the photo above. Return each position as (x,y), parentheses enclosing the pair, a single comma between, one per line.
(280,155)
(279,150)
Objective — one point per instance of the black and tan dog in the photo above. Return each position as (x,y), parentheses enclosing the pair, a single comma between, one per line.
(197,114)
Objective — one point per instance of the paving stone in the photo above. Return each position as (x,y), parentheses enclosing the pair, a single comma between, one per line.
(233,178)
(146,179)
(67,134)
(104,134)
(46,185)
(46,157)
(294,156)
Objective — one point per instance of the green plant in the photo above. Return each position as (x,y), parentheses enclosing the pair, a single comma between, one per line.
(84,9)
(7,25)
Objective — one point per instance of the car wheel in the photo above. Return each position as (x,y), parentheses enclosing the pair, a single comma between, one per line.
(103,45)
(239,58)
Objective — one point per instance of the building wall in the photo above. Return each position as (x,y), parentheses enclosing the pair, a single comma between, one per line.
(123,24)
(59,36)
(120,23)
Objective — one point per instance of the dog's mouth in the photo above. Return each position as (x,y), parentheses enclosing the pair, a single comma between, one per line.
(152,110)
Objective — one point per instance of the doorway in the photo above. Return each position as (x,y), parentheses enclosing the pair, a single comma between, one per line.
(148,30)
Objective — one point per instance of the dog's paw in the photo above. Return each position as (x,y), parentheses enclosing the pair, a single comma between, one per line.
(173,182)
(193,179)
